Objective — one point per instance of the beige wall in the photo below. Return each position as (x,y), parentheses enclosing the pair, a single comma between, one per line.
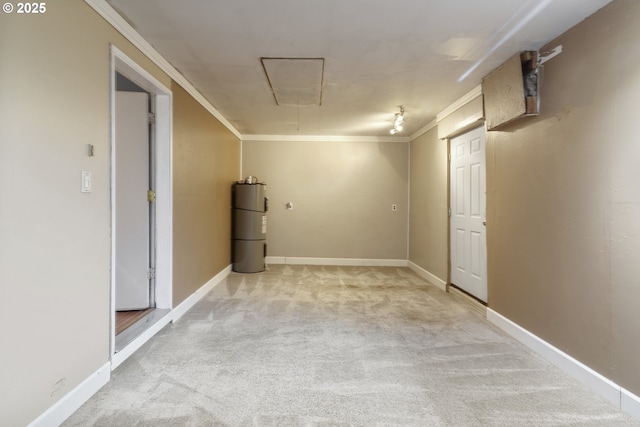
(55,245)
(342,192)
(428,219)
(54,240)
(563,202)
(206,162)
(563,205)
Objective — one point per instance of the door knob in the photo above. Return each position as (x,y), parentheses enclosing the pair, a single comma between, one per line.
(484,222)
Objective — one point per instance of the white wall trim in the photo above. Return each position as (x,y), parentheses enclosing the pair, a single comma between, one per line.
(185,305)
(337,261)
(464,100)
(121,63)
(428,276)
(164,201)
(72,401)
(133,346)
(407,249)
(121,25)
(432,124)
(630,403)
(467,125)
(324,138)
(625,400)
(57,413)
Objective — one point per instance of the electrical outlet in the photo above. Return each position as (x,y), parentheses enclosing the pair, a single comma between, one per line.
(394,207)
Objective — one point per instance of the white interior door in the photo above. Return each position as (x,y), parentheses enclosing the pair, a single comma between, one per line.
(468,213)
(132,236)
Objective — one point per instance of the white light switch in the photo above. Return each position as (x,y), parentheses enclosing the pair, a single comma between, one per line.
(86,182)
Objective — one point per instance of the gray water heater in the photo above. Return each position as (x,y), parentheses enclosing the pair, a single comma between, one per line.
(249,226)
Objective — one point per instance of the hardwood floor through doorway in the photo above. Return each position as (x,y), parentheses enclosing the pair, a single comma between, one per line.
(124,319)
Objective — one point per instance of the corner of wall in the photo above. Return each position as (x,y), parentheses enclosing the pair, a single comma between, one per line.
(428,276)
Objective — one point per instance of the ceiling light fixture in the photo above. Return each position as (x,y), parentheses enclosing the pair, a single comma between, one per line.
(397,123)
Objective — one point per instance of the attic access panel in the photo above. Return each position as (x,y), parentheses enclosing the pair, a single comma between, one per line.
(511,90)
(295,81)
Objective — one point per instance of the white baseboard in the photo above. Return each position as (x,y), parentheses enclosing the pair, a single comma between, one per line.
(625,400)
(65,407)
(185,305)
(429,277)
(139,341)
(630,403)
(172,316)
(337,261)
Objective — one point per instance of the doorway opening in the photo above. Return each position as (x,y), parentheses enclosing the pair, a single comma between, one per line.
(141,200)
(468,214)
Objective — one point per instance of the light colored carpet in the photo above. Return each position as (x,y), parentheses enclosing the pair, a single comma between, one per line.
(338,346)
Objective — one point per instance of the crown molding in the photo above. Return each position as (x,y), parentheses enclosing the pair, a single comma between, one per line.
(465,99)
(325,138)
(124,28)
(426,128)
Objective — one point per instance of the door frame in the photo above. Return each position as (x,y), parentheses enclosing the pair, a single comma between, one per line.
(162,105)
(476,124)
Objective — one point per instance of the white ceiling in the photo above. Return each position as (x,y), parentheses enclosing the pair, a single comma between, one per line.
(421,54)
